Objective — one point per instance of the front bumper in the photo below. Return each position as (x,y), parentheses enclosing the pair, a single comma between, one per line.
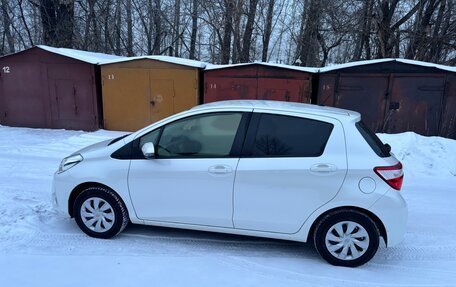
(392,210)
(61,190)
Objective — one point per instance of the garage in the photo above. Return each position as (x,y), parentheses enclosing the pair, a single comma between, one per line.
(46,87)
(138,91)
(263,81)
(394,95)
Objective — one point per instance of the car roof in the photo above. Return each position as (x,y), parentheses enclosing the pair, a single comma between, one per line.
(281,106)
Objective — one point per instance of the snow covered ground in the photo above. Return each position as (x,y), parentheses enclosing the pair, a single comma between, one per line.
(41,248)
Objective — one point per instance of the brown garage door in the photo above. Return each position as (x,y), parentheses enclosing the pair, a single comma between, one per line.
(73,106)
(133,98)
(415,104)
(126,99)
(448,122)
(22,95)
(161,99)
(361,93)
(72,97)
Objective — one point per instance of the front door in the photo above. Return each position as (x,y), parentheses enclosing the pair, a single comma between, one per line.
(191,179)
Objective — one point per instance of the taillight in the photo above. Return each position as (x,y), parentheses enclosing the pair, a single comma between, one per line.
(392,175)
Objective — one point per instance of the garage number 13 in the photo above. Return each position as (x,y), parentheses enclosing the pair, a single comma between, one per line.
(6,69)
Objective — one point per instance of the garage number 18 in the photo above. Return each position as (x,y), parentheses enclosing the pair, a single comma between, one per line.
(6,69)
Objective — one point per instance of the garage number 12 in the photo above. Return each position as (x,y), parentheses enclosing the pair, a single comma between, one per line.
(6,69)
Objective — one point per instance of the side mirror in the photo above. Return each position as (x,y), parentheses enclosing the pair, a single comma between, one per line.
(148,150)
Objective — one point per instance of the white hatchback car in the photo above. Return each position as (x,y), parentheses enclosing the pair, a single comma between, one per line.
(260,168)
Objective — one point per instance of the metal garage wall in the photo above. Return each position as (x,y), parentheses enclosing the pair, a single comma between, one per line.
(231,83)
(22,101)
(448,120)
(392,97)
(360,93)
(42,89)
(139,92)
(73,96)
(257,81)
(415,103)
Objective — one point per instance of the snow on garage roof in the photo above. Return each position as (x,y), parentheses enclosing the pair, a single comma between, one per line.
(167,59)
(376,61)
(88,57)
(283,66)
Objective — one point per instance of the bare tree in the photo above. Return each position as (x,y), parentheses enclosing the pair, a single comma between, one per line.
(315,32)
(7,26)
(227,29)
(57,19)
(267,30)
(247,38)
(309,51)
(194,29)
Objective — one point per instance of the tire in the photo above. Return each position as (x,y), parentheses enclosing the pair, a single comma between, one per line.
(105,221)
(357,244)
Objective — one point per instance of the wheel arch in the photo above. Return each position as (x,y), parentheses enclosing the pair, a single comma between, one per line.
(80,189)
(375,218)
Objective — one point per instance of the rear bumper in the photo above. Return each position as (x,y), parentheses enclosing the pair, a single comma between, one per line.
(392,211)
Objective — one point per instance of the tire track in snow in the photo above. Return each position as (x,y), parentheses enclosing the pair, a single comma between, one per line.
(166,244)
(265,270)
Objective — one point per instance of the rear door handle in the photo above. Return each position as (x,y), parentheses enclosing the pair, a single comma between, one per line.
(220,169)
(323,168)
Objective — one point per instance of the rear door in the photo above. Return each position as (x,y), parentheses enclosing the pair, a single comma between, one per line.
(292,166)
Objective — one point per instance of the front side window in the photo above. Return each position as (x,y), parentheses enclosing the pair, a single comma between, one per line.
(286,136)
(151,137)
(210,135)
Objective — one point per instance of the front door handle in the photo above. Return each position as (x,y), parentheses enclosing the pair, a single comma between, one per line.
(323,168)
(220,169)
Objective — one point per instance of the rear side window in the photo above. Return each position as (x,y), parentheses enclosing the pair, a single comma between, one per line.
(286,136)
(372,139)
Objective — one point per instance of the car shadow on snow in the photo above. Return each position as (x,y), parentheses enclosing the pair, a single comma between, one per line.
(212,242)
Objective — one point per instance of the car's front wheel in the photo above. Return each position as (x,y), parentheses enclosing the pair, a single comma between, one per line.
(346,238)
(100,213)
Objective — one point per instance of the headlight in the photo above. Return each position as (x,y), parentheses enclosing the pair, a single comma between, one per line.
(69,162)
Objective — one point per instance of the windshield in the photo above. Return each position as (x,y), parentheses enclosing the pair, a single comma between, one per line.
(118,139)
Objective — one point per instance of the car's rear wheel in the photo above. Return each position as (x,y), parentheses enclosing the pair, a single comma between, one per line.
(99,212)
(346,238)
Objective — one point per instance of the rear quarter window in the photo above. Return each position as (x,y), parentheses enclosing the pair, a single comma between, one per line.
(372,139)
